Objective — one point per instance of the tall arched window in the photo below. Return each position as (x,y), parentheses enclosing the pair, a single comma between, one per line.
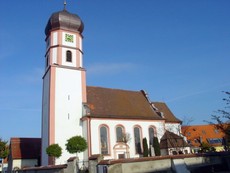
(137,138)
(68,56)
(119,133)
(151,135)
(104,140)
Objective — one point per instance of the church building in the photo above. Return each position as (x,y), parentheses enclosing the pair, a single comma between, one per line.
(113,121)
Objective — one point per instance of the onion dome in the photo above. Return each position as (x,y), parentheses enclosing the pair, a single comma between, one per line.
(64,20)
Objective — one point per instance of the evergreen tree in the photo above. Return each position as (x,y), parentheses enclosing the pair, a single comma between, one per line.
(156,146)
(145,147)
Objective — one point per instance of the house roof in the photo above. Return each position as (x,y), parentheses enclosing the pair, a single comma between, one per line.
(171,140)
(116,103)
(203,133)
(25,148)
(161,107)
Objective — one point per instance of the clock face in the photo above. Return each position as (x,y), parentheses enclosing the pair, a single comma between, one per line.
(69,38)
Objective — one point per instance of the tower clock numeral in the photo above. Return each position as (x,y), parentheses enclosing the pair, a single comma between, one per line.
(69,38)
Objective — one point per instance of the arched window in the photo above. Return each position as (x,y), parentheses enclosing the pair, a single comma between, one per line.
(68,56)
(119,133)
(137,138)
(151,135)
(104,140)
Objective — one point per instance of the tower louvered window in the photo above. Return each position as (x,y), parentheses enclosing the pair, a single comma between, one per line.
(68,56)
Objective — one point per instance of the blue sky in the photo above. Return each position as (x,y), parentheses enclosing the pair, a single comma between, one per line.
(177,51)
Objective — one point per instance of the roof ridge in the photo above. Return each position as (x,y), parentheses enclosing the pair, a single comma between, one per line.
(114,89)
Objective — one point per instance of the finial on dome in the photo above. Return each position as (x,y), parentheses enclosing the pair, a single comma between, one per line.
(64,4)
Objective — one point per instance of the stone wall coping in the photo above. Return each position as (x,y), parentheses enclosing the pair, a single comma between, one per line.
(143,159)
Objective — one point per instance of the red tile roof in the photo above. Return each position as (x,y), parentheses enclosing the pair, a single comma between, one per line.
(25,148)
(202,132)
(116,103)
(167,114)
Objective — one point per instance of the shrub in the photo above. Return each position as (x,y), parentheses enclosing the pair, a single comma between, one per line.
(54,150)
(145,148)
(156,146)
(76,144)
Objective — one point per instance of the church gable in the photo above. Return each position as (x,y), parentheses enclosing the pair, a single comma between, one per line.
(116,103)
(163,110)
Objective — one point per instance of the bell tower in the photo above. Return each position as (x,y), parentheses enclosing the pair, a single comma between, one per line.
(64,83)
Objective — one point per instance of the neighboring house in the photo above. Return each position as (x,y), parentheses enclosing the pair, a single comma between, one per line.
(24,152)
(172,144)
(3,165)
(209,134)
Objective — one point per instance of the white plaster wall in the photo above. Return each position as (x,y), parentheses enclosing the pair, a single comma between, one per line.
(55,38)
(177,149)
(64,62)
(80,43)
(173,127)
(20,163)
(68,108)
(4,169)
(54,56)
(80,59)
(45,117)
(129,126)
(84,134)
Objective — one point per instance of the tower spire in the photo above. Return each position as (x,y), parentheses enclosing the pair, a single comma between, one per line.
(64,4)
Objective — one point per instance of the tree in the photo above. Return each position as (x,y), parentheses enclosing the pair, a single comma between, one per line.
(76,144)
(156,146)
(126,139)
(145,148)
(54,151)
(4,150)
(222,120)
(205,147)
